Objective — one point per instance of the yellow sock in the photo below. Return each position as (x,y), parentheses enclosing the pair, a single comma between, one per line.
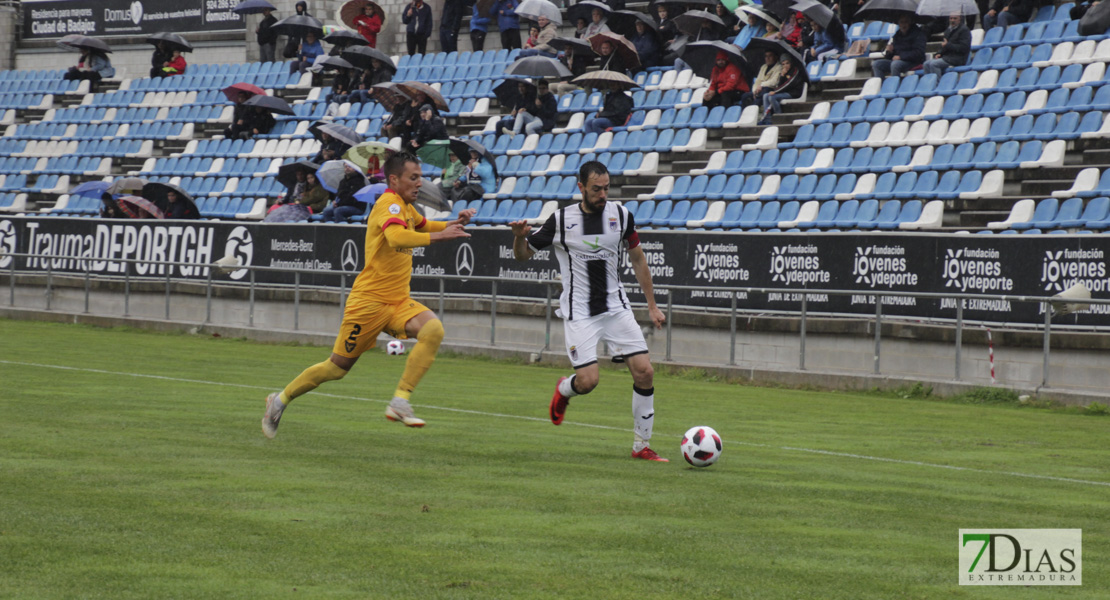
(310,379)
(421,358)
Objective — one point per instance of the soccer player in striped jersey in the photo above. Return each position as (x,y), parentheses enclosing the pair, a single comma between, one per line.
(588,239)
(379,299)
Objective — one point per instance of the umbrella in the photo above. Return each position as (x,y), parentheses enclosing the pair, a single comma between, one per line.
(624,22)
(621,46)
(252,7)
(462,147)
(435,152)
(139,208)
(342,133)
(388,94)
(691,22)
(77,42)
(344,37)
(232,91)
(127,185)
(298,26)
(360,56)
(288,213)
(369,156)
(270,103)
(779,8)
(571,45)
(889,11)
(605,79)
(431,195)
(371,193)
(816,11)
(534,9)
(156,192)
(414,88)
(944,8)
(90,189)
(287,174)
(702,56)
(538,67)
(760,13)
(506,92)
(758,46)
(324,61)
(332,173)
(585,9)
(350,11)
(175,42)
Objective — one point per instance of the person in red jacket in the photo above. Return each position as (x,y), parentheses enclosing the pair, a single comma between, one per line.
(369,25)
(174,66)
(726,83)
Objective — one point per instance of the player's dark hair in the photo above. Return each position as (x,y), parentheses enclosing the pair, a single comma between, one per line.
(592,167)
(395,165)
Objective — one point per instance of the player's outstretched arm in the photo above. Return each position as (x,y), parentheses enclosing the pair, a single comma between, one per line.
(453,231)
(465,216)
(643,277)
(521,249)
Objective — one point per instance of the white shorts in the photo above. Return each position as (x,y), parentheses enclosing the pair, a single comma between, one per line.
(619,329)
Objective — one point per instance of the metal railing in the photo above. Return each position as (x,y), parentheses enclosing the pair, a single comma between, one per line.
(735,292)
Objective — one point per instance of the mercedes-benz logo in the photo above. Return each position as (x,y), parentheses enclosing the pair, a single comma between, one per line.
(349,256)
(7,243)
(464,260)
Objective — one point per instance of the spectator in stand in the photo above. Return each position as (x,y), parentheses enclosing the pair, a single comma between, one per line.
(756,28)
(346,205)
(546,32)
(309,49)
(238,117)
(732,24)
(410,118)
(479,25)
(533,38)
(726,83)
(508,23)
(828,42)
(377,73)
(294,41)
(790,32)
(540,115)
(614,112)
(667,29)
(330,149)
(175,65)
(611,60)
(954,50)
(294,193)
(476,181)
(159,58)
(259,122)
(267,38)
(92,66)
(418,26)
(647,46)
(109,208)
(598,24)
(176,208)
(790,86)
(905,51)
(450,21)
(369,25)
(580,27)
(340,90)
(450,175)
(767,79)
(1081,9)
(525,99)
(315,197)
(1007,12)
(430,128)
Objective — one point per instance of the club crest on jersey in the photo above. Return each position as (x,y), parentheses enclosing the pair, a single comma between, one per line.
(394,209)
(574,352)
(613,224)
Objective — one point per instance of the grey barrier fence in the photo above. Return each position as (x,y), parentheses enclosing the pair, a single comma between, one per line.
(1045,301)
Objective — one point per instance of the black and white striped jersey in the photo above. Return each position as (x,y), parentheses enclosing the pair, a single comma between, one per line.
(589,247)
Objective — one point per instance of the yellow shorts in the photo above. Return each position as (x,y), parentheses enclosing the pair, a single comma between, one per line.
(362,322)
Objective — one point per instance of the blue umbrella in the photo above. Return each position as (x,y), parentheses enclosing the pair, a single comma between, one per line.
(91,189)
(252,7)
(370,193)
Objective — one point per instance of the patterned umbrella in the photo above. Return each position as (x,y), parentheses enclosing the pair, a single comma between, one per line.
(621,46)
(534,9)
(414,88)
(232,91)
(369,156)
(350,11)
(294,212)
(388,95)
(139,208)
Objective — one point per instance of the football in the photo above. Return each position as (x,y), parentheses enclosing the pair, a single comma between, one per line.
(395,348)
(701,446)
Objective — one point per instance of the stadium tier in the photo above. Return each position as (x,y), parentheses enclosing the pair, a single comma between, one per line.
(1011,142)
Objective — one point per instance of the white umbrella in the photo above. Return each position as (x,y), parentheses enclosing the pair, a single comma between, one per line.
(534,9)
(944,8)
(332,173)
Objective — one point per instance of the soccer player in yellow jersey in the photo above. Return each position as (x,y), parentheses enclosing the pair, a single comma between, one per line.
(379,299)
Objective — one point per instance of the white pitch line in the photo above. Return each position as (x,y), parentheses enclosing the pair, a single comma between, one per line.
(595,426)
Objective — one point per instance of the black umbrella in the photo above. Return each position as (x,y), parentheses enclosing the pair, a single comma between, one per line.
(342,133)
(431,195)
(585,10)
(816,11)
(298,26)
(293,212)
(77,42)
(344,37)
(331,62)
(506,92)
(270,103)
(624,22)
(691,22)
(287,174)
(702,56)
(572,46)
(462,147)
(252,7)
(157,192)
(779,8)
(891,11)
(174,41)
(360,56)
(538,67)
(758,46)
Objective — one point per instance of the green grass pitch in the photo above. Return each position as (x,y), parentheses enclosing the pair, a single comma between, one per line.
(132,466)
